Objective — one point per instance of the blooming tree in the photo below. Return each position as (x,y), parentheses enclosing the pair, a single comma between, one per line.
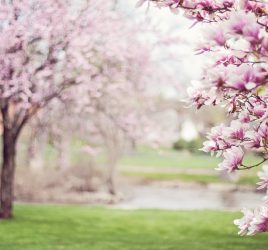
(46,47)
(237,78)
(115,113)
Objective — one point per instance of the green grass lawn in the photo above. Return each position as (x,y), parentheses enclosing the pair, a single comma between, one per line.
(43,227)
(203,179)
(180,160)
(245,179)
(148,157)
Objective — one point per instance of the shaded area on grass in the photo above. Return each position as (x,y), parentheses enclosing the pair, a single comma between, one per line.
(83,228)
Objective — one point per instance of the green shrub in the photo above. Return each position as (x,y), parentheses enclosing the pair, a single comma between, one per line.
(192,146)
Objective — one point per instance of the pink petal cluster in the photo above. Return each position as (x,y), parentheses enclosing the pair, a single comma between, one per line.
(263,175)
(233,158)
(236,38)
(253,222)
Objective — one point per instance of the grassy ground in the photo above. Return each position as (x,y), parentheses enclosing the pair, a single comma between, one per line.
(180,161)
(83,228)
(245,179)
(148,157)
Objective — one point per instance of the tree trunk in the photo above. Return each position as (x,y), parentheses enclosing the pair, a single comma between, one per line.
(7,173)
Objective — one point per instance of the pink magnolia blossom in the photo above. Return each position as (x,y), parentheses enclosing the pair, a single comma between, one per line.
(245,222)
(233,158)
(253,222)
(244,117)
(236,131)
(254,140)
(260,221)
(236,39)
(263,175)
(202,97)
(210,146)
(263,130)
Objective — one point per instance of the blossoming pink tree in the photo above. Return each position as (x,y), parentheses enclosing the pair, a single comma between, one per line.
(46,47)
(236,37)
(116,112)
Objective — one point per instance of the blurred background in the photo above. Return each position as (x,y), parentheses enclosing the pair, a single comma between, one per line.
(133,143)
(129,141)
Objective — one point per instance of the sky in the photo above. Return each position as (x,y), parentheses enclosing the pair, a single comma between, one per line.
(185,65)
